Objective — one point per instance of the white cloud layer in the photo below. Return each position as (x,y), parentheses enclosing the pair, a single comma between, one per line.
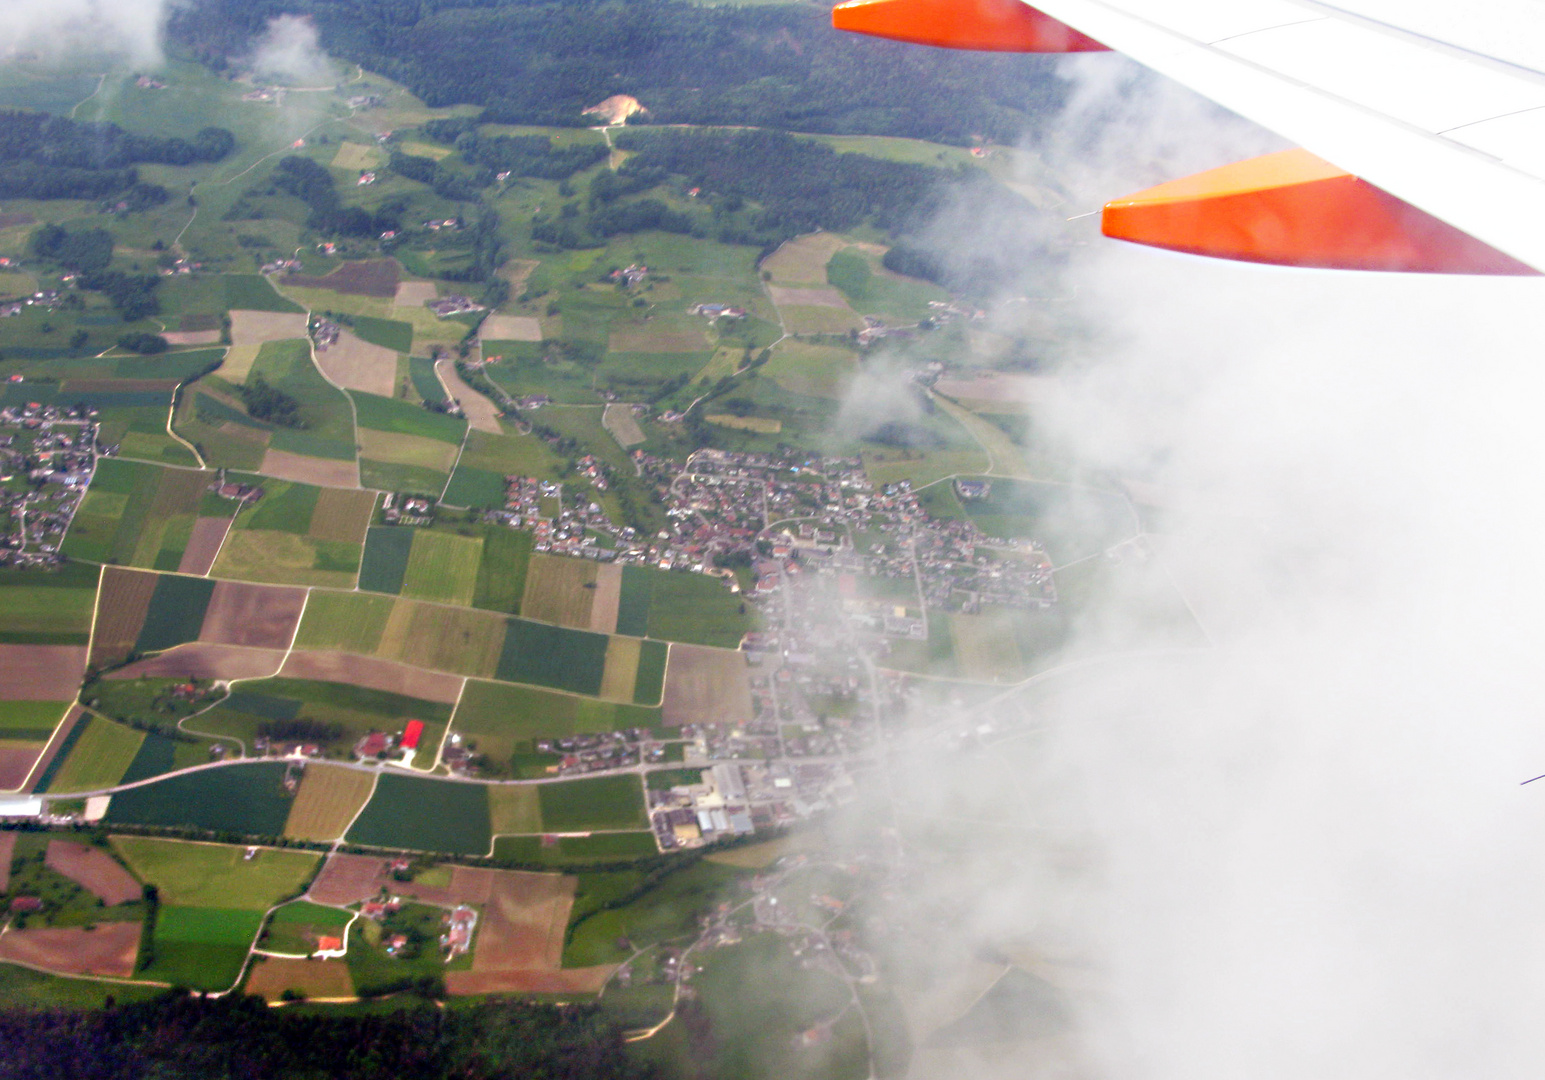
(130,27)
(1305,851)
(288,53)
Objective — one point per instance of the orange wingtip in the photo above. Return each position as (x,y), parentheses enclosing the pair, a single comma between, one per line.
(1295,209)
(985,25)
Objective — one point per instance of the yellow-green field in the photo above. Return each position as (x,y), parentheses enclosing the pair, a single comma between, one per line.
(559,590)
(193,874)
(276,558)
(329,798)
(443,638)
(443,567)
(101,756)
(397,448)
(348,622)
(621,670)
(514,808)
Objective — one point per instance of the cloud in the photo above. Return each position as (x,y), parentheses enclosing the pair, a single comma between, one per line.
(288,52)
(130,27)
(1303,850)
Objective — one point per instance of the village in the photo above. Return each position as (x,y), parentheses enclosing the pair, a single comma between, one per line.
(47,457)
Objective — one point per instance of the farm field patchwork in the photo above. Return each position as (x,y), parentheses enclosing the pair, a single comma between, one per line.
(373,673)
(505,720)
(259,616)
(175,613)
(202,948)
(501,578)
(458,640)
(93,870)
(356,364)
(385,561)
(137,514)
(283,558)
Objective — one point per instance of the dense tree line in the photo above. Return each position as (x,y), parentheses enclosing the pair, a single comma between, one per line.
(540,62)
(175,1035)
(522,155)
(51,157)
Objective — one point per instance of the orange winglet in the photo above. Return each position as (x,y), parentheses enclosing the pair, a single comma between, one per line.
(1294,209)
(985,25)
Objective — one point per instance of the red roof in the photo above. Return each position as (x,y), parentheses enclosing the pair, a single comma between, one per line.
(411,733)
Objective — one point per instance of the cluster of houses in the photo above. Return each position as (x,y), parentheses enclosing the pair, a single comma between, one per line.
(630,276)
(718,311)
(377,745)
(453,305)
(690,815)
(47,457)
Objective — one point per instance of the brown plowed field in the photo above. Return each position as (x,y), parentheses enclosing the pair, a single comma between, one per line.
(342,514)
(571,981)
(367,277)
(7,852)
(191,337)
(93,870)
(324,472)
(482,414)
(608,594)
(356,364)
(414,293)
(260,327)
(16,761)
(511,328)
(62,732)
(524,917)
(348,879)
(649,339)
(41,672)
(199,660)
(273,975)
(121,606)
(374,673)
(704,685)
(784,296)
(203,545)
(110,949)
(258,616)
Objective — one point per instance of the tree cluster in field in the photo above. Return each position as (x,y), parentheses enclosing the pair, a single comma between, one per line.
(144,344)
(776,66)
(301,729)
(179,1035)
(313,185)
(268,403)
(51,157)
(89,252)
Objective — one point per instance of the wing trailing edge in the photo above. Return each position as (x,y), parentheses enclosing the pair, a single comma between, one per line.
(980,25)
(1294,209)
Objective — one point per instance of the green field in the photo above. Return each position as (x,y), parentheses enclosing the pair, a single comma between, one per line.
(385,562)
(101,755)
(691,608)
(421,372)
(176,612)
(649,683)
(388,333)
(245,799)
(30,721)
(327,423)
(425,815)
(216,875)
(348,622)
(501,577)
(669,910)
(577,851)
(23,988)
(47,607)
(251,292)
(504,720)
(288,926)
(202,948)
(442,567)
(387,414)
(480,488)
(283,558)
(137,514)
(553,656)
(605,802)
(1070,522)
(285,506)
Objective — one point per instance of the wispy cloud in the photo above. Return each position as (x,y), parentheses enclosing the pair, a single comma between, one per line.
(130,27)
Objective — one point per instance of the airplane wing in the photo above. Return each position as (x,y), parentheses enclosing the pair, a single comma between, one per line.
(1417,154)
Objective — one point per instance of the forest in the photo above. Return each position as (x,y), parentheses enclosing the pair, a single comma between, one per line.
(50,157)
(544,62)
(176,1036)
